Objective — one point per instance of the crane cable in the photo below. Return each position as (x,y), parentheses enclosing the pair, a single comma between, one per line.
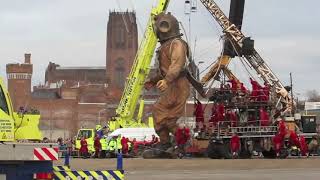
(141,30)
(242,60)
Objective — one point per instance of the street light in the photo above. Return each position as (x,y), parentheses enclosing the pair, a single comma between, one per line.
(99,119)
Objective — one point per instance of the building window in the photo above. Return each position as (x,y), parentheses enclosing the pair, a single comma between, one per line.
(120,77)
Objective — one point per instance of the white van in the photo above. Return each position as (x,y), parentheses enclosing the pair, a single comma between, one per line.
(140,134)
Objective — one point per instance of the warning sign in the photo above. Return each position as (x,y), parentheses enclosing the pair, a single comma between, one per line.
(6,130)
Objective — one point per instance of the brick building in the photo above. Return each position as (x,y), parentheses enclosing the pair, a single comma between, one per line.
(75,97)
(122,45)
(19,81)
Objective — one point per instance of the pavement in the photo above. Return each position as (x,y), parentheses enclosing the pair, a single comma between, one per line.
(201,168)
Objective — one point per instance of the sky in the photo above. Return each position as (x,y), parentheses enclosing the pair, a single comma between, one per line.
(73,33)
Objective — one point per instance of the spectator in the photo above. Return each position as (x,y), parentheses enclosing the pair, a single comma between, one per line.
(303,146)
(182,136)
(235,145)
(124,144)
(83,148)
(97,146)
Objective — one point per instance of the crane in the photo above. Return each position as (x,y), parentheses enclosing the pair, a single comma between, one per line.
(141,67)
(236,17)
(244,46)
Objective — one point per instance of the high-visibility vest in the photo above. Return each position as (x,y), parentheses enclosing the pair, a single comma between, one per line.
(104,145)
(112,145)
(119,146)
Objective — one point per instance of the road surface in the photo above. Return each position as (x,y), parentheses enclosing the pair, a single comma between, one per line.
(190,169)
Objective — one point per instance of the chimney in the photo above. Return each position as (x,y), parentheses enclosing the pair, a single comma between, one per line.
(27,58)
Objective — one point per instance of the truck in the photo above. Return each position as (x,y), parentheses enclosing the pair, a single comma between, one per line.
(21,153)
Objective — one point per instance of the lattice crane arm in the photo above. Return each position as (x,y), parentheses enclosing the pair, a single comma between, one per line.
(139,71)
(255,60)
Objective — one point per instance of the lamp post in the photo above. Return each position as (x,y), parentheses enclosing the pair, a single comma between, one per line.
(99,119)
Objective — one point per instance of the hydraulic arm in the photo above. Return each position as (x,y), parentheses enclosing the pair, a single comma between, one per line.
(236,17)
(238,40)
(139,71)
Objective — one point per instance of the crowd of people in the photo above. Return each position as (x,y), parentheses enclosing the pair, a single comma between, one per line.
(223,114)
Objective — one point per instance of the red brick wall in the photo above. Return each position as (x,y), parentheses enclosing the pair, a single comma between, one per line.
(19,89)
(122,43)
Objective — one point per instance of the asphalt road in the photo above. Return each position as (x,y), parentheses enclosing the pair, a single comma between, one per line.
(189,169)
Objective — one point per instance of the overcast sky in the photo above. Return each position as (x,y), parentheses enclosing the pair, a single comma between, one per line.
(73,33)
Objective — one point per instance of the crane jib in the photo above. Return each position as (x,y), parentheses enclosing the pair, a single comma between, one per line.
(255,60)
(139,71)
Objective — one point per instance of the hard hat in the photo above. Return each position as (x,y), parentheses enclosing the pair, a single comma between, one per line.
(98,127)
(166,26)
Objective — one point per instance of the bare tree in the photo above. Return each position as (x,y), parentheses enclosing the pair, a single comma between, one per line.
(313,96)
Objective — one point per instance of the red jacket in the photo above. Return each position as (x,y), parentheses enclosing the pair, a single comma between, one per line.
(83,146)
(294,139)
(264,117)
(277,142)
(235,143)
(234,85)
(282,129)
(233,118)
(303,146)
(199,112)
(182,136)
(97,144)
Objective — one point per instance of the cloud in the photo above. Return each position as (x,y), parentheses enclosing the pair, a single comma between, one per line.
(73,32)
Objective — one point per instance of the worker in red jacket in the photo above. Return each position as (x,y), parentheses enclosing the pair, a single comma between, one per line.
(255,90)
(220,112)
(235,145)
(243,89)
(84,148)
(213,119)
(199,112)
(97,146)
(265,92)
(277,144)
(293,139)
(303,146)
(282,128)
(233,118)
(234,86)
(182,135)
(124,144)
(264,117)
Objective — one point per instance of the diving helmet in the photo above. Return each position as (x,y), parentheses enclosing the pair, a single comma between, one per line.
(166,26)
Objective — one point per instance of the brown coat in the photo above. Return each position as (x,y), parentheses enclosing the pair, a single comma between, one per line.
(170,106)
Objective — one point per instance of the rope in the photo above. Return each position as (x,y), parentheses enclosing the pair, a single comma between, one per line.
(138,21)
(124,21)
(241,59)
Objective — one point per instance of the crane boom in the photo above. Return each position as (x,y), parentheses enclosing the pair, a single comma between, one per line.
(139,71)
(255,60)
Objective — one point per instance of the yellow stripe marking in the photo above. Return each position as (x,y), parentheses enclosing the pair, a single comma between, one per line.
(59,175)
(94,174)
(108,175)
(119,174)
(82,174)
(71,175)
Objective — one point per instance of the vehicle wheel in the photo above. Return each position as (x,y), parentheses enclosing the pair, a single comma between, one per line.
(103,154)
(217,150)
(269,154)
